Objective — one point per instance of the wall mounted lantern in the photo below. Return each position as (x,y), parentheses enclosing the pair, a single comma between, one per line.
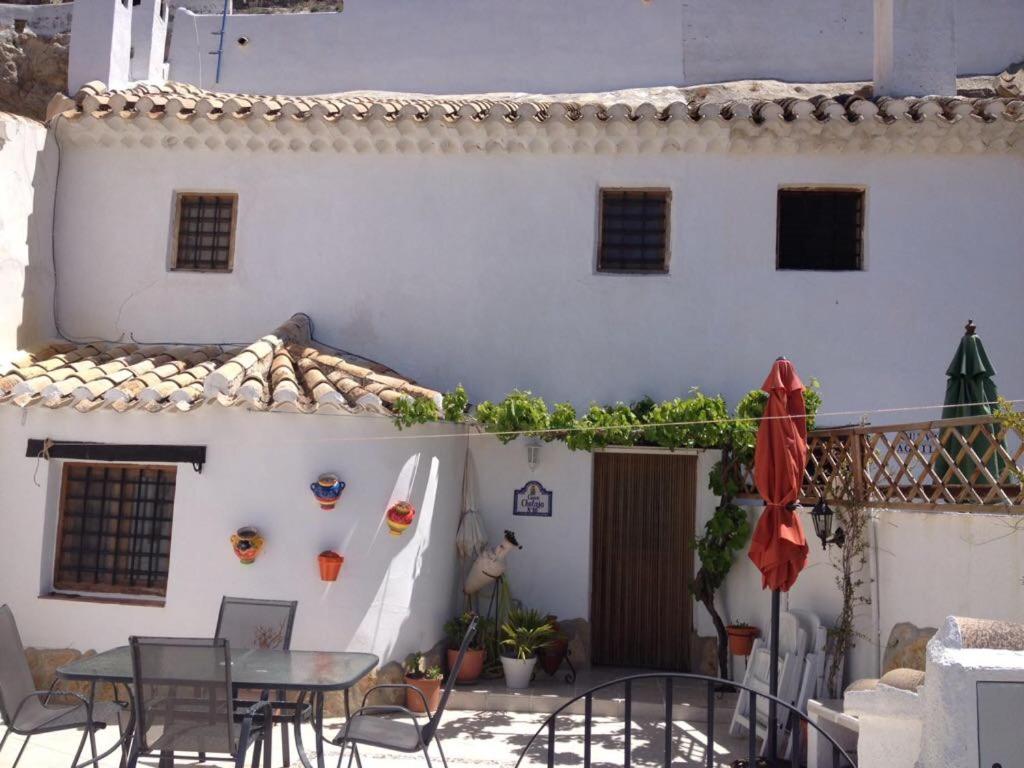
(821,516)
(533,454)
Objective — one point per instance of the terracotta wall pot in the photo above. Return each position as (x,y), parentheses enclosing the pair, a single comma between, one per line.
(330,565)
(472,664)
(741,639)
(430,688)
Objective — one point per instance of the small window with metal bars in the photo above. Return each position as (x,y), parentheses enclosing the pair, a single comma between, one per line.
(114,531)
(634,231)
(204,232)
(820,229)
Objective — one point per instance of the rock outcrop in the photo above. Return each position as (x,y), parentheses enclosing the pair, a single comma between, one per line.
(32,69)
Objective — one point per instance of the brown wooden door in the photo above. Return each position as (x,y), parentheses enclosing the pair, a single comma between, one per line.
(642,559)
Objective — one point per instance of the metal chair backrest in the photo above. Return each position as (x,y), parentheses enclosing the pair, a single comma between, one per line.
(247,623)
(183,700)
(15,676)
(431,727)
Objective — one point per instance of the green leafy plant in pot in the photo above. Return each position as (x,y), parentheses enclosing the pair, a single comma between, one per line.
(524,632)
(455,630)
(426,679)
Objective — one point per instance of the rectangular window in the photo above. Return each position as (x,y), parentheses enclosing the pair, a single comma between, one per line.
(114,532)
(820,229)
(205,232)
(634,230)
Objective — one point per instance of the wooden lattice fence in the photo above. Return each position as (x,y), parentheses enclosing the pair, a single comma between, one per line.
(957,465)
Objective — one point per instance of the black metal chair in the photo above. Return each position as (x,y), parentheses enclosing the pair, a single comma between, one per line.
(27,712)
(249,623)
(365,726)
(184,703)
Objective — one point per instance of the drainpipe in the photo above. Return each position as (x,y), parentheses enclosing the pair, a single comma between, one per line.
(876,608)
(220,45)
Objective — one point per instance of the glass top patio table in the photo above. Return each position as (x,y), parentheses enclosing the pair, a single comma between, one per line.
(278,670)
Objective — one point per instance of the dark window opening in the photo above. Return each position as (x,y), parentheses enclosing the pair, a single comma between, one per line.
(114,533)
(634,230)
(205,232)
(820,229)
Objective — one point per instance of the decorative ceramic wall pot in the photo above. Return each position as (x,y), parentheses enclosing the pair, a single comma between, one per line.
(247,543)
(330,565)
(327,490)
(399,517)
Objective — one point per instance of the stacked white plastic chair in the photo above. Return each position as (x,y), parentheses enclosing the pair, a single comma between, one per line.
(801,673)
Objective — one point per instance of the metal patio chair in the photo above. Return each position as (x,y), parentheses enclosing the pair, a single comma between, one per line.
(27,712)
(366,726)
(248,623)
(184,703)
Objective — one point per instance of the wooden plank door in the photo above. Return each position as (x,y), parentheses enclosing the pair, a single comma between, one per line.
(642,559)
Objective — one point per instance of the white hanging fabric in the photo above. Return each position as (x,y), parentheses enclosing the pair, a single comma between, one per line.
(471,538)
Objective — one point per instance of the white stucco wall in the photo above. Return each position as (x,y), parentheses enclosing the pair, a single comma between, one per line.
(480,269)
(27,168)
(392,596)
(540,46)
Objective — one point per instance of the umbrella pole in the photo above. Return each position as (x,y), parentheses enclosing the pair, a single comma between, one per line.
(773,678)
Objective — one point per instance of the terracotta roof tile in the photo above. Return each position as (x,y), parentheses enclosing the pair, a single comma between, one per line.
(189,101)
(284,370)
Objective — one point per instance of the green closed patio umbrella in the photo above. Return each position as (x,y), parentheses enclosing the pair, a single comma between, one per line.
(970,391)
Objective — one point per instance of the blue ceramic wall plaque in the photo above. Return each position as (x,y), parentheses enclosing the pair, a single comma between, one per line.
(533,500)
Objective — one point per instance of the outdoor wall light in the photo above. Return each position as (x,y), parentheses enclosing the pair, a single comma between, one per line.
(821,516)
(533,455)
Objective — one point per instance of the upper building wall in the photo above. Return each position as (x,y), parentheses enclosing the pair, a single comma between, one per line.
(463,46)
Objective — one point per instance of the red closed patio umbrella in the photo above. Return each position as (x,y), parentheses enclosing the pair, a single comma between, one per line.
(779,547)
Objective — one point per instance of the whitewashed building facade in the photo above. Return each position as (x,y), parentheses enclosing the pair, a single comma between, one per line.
(458,238)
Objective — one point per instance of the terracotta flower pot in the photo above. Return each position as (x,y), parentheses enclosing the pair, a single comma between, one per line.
(330,565)
(430,688)
(741,639)
(472,664)
(553,654)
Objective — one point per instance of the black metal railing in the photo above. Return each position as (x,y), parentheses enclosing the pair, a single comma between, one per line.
(713,685)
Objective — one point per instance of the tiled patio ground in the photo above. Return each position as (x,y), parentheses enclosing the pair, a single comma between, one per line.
(471,739)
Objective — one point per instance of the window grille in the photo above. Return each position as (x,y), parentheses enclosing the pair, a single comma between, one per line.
(634,230)
(820,229)
(205,232)
(114,533)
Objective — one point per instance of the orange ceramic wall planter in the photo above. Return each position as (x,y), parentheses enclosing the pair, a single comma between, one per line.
(330,565)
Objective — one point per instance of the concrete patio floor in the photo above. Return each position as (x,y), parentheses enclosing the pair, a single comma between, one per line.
(470,738)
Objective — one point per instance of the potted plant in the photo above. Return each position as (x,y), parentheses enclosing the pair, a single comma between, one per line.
(553,654)
(425,679)
(523,634)
(741,638)
(455,630)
